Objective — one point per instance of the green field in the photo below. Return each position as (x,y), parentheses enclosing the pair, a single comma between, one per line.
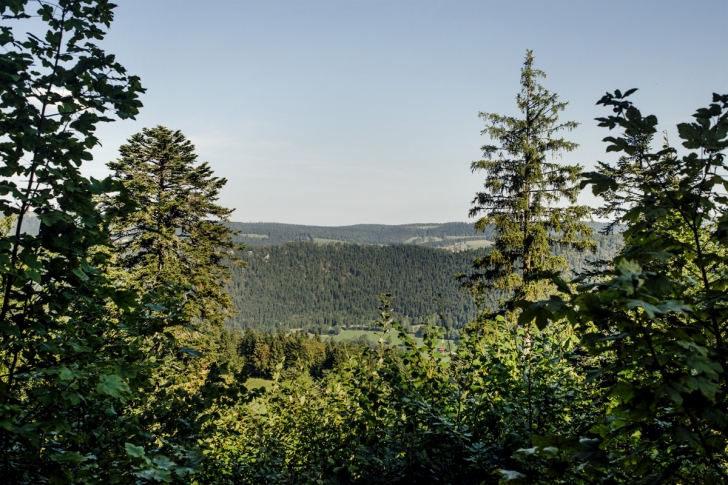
(255,236)
(373,336)
(480,243)
(423,239)
(370,335)
(463,237)
(320,240)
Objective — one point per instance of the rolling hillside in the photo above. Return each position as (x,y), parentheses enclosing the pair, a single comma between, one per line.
(328,287)
(449,234)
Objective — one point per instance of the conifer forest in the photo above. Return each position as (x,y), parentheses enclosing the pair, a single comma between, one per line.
(147,336)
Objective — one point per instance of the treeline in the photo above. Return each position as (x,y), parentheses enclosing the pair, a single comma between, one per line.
(326,288)
(267,233)
(617,376)
(291,354)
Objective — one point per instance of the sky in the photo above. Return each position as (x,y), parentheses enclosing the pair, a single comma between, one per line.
(349,112)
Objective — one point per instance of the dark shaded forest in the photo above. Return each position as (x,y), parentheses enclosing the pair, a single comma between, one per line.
(326,288)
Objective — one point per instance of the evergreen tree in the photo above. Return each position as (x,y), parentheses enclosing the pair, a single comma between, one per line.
(179,232)
(523,194)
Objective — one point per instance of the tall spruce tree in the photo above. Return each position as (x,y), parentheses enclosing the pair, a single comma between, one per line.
(178,234)
(528,197)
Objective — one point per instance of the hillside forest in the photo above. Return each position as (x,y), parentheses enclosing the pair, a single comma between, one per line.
(329,287)
(147,338)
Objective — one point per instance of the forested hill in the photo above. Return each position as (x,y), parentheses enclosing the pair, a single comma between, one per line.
(429,234)
(324,287)
(314,285)
(301,276)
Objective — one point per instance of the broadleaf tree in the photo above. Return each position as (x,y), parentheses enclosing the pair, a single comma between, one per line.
(70,363)
(657,320)
(78,371)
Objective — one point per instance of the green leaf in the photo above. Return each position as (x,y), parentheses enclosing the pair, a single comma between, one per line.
(112,385)
(134,451)
(68,458)
(161,461)
(650,310)
(536,311)
(600,182)
(191,352)
(627,267)
(705,366)
(79,272)
(659,284)
(511,475)
(155,474)
(706,386)
(65,374)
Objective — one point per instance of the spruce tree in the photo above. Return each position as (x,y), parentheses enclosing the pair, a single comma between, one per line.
(529,198)
(179,232)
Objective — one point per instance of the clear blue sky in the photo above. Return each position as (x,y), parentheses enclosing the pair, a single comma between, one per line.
(345,112)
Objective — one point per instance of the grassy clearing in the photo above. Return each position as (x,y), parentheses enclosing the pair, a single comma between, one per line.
(425,239)
(319,240)
(357,334)
(463,237)
(481,243)
(255,236)
(373,336)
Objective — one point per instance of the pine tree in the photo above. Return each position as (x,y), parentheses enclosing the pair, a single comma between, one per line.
(524,194)
(178,234)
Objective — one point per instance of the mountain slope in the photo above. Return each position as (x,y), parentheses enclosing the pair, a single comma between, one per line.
(325,287)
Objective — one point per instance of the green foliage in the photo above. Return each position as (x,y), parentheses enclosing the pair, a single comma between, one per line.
(83,395)
(410,415)
(68,353)
(522,192)
(328,288)
(299,353)
(179,237)
(658,320)
(178,232)
(115,368)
